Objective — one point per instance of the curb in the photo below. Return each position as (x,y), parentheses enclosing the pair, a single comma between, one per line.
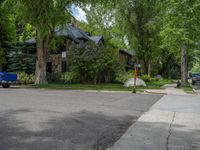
(155,92)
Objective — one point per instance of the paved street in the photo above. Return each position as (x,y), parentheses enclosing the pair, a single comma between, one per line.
(67,120)
(173,123)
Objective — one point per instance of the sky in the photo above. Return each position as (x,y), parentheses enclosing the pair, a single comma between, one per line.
(78,13)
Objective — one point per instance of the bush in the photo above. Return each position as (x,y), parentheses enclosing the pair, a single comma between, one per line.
(69,77)
(54,77)
(122,77)
(146,78)
(24,78)
(93,63)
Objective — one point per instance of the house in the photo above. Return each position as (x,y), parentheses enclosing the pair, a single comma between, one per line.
(72,36)
(126,58)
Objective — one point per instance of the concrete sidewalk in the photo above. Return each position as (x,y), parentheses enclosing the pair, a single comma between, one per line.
(168,89)
(173,123)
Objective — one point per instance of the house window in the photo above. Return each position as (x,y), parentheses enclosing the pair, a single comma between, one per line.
(49,67)
(64,66)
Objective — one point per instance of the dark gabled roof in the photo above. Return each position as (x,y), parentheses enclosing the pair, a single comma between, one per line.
(73,33)
(65,32)
(96,39)
(124,51)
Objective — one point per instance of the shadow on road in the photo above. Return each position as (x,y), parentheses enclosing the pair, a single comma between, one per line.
(79,131)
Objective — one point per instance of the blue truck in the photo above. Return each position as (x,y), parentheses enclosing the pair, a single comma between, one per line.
(6,79)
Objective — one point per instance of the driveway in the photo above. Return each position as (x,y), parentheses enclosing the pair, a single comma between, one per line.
(67,120)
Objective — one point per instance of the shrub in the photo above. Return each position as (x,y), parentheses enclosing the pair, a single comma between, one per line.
(54,77)
(123,76)
(24,78)
(69,77)
(93,63)
(146,78)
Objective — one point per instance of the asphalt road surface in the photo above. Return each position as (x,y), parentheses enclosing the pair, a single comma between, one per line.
(67,120)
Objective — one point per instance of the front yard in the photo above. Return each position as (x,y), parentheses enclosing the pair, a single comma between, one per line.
(102,87)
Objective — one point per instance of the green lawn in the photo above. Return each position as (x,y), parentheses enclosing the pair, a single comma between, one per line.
(187,88)
(109,87)
(100,87)
(158,84)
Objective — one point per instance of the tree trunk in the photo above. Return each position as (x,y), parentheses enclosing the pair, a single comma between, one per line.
(95,80)
(41,61)
(0,67)
(183,65)
(149,68)
(144,69)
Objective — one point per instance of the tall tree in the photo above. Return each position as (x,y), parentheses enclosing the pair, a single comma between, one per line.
(7,33)
(180,32)
(44,15)
(138,20)
(101,21)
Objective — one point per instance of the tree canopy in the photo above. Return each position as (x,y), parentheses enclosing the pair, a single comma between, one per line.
(161,34)
(7,33)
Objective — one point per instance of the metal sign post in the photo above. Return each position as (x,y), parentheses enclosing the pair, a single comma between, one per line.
(135,78)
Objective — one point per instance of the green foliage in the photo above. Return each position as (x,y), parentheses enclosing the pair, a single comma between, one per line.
(24,78)
(41,14)
(18,61)
(155,84)
(2,56)
(69,77)
(155,29)
(108,87)
(7,33)
(93,63)
(146,78)
(25,32)
(196,67)
(138,20)
(56,44)
(44,16)
(180,27)
(123,76)
(101,21)
(187,88)
(180,23)
(54,77)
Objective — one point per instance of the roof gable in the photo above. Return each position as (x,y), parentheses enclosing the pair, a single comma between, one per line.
(74,33)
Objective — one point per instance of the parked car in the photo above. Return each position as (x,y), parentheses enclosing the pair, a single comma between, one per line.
(6,79)
(195,78)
